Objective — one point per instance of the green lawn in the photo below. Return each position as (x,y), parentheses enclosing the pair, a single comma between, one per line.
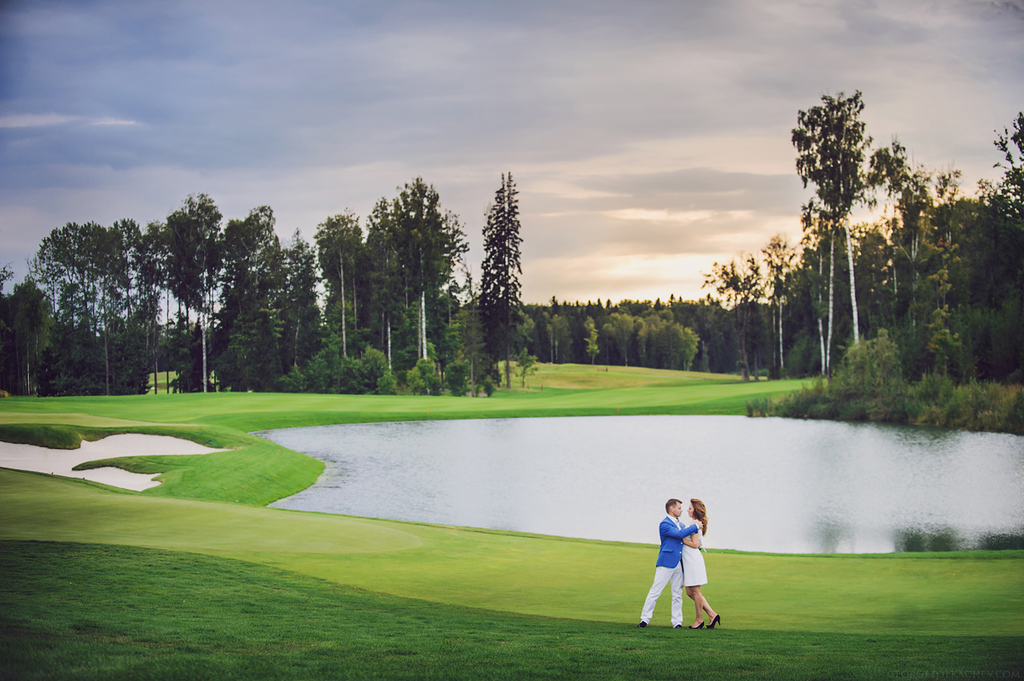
(598,581)
(256,411)
(462,602)
(82,611)
(587,377)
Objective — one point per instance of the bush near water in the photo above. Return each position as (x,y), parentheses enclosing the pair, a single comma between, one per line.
(869,386)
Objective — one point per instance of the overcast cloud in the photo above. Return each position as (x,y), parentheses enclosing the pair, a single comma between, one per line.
(648,139)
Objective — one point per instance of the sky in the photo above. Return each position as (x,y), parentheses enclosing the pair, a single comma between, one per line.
(648,139)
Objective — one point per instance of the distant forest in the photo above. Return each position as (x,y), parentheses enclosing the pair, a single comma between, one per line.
(385,303)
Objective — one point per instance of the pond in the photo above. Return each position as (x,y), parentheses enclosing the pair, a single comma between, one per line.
(775,485)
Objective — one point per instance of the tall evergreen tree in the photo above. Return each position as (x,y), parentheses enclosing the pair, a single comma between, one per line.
(499,287)
(251,279)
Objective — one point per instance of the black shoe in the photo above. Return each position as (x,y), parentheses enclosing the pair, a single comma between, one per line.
(699,627)
(717,620)
(678,626)
(642,625)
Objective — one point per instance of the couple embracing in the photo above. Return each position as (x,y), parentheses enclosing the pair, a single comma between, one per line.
(681,564)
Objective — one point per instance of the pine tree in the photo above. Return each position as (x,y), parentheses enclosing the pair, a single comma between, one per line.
(499,287)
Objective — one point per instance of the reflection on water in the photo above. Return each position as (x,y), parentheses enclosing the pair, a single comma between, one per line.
(769,484)
(919,539)
(949,539)
(830,534)
(1002,542)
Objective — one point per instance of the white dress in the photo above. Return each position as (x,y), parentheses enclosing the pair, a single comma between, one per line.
(694,572)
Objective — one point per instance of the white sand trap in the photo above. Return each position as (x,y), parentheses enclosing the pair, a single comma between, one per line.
(61,461)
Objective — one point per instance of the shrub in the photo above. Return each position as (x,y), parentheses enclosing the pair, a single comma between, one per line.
(457,377)
(386,384)
(800,403)
(318,374)
(934,389)
(760,407)
(292,382)
(1015,411)
(350,376)
(869,386)
(423,379)
(373,367)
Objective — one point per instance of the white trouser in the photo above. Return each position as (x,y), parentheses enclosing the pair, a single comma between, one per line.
(662,576)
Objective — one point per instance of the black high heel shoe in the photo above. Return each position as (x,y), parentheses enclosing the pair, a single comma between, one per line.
(700,627)
(717,620)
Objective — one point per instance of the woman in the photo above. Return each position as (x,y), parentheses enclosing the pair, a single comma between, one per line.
(695,574)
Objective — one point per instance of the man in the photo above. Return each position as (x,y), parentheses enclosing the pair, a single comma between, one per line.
(669,567)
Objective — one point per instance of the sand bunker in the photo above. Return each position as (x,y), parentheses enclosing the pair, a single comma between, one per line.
(61,461)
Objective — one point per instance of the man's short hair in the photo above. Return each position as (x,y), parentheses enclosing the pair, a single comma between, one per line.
(670,503)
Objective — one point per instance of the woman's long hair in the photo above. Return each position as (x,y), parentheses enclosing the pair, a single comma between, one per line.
(700,512)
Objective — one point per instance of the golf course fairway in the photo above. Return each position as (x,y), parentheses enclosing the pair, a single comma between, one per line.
(775,607)
(591,580)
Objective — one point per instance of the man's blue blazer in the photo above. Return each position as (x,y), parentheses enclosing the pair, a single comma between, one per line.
(672,543)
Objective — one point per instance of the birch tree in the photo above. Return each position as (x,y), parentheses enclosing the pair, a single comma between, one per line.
(429,243)
(194,231)
(909,189)
(778,259)
(831,149)
(385,278)
(338,238)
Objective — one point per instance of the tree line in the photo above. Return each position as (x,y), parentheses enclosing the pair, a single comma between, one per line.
(386,302)
(940,272)
(675,334)
(940,275)
(367,306)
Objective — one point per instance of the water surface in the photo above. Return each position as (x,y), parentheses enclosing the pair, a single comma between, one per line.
(769,484)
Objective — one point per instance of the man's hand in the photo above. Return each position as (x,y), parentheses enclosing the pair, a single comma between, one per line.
(699,524)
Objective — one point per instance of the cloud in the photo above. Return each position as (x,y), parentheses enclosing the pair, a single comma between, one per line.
(47,120)
(655,132)
(34,120)
(111,121)
(638,277)
(646,215)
